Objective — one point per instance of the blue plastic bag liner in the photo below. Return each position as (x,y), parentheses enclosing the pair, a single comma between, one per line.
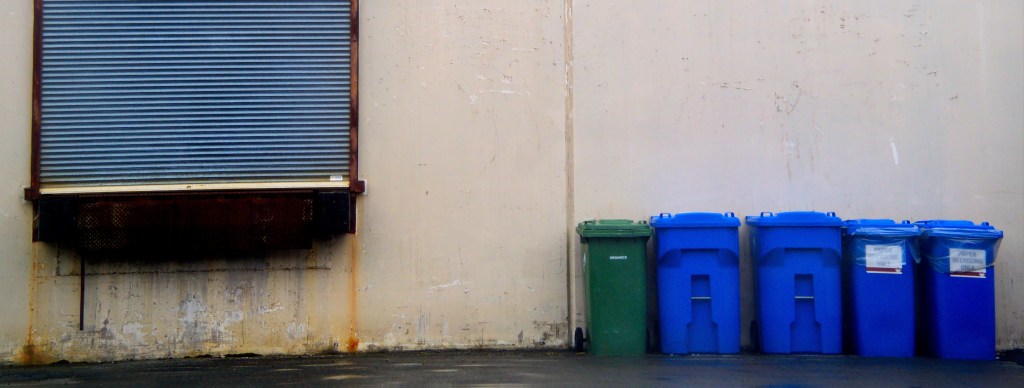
(959,247)
(879,303)
(883,245)
(956,286)
(694,220)
(799,218)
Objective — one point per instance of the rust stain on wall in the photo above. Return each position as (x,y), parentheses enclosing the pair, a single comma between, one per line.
(30,354)
(352,343)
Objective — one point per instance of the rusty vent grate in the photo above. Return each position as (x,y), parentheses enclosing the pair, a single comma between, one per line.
(192,223)
(195,224)
(207,222)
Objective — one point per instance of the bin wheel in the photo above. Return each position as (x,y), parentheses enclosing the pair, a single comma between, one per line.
(652,345)
(578,340)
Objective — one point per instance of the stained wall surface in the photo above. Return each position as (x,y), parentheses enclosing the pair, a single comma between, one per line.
(15,214)
(464,155)
(876,109)
(461,237)
(488,129)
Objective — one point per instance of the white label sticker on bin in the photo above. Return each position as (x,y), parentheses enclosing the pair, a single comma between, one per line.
(969,263)
(618,257)
(884,259)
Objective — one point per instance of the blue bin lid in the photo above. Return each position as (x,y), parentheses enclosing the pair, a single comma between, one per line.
(801,218)
(958,228)
(695,220)
(880,228)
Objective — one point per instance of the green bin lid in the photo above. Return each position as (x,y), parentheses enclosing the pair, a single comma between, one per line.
(613,228)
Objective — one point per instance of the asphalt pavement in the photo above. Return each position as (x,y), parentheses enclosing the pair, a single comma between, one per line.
(525,368)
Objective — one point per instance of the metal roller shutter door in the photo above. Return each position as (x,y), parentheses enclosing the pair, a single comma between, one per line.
(163,92)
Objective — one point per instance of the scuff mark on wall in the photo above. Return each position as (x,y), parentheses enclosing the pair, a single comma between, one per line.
(5,215)
(421,329)
(440,287)
(269,309)
(296,331)
(133,332)
(895,152)
(787,104)
(193,322)
(791,150)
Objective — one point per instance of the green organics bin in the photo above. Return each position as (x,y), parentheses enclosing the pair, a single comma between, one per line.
(615,282)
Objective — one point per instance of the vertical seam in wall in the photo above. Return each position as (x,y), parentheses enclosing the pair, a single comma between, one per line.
(569,170)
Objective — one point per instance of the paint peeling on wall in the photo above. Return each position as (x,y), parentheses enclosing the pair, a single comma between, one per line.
(194,307)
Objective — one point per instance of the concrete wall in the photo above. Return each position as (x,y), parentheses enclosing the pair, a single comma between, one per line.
(461,237)
(16,250)
(462,146)
(878,109)
(480,158)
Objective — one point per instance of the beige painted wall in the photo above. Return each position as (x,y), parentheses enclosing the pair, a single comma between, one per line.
(474,182)
(15,214)
(462,146)
(461,238)
(884,109)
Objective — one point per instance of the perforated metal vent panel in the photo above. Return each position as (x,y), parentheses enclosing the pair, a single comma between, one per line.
(147,92)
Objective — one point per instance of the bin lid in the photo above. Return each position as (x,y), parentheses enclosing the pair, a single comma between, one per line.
(880,228)
(958,228)
(613,228)
(695,220)
(800,218)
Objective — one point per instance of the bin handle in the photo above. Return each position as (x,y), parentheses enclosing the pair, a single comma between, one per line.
(906,222)
(730,214)
(767,214)
(985,223)
(831,214)
(664,215)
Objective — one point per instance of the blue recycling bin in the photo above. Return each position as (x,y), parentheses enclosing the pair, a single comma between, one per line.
(796,257)
(956,285)
(878,287)
(698,282)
